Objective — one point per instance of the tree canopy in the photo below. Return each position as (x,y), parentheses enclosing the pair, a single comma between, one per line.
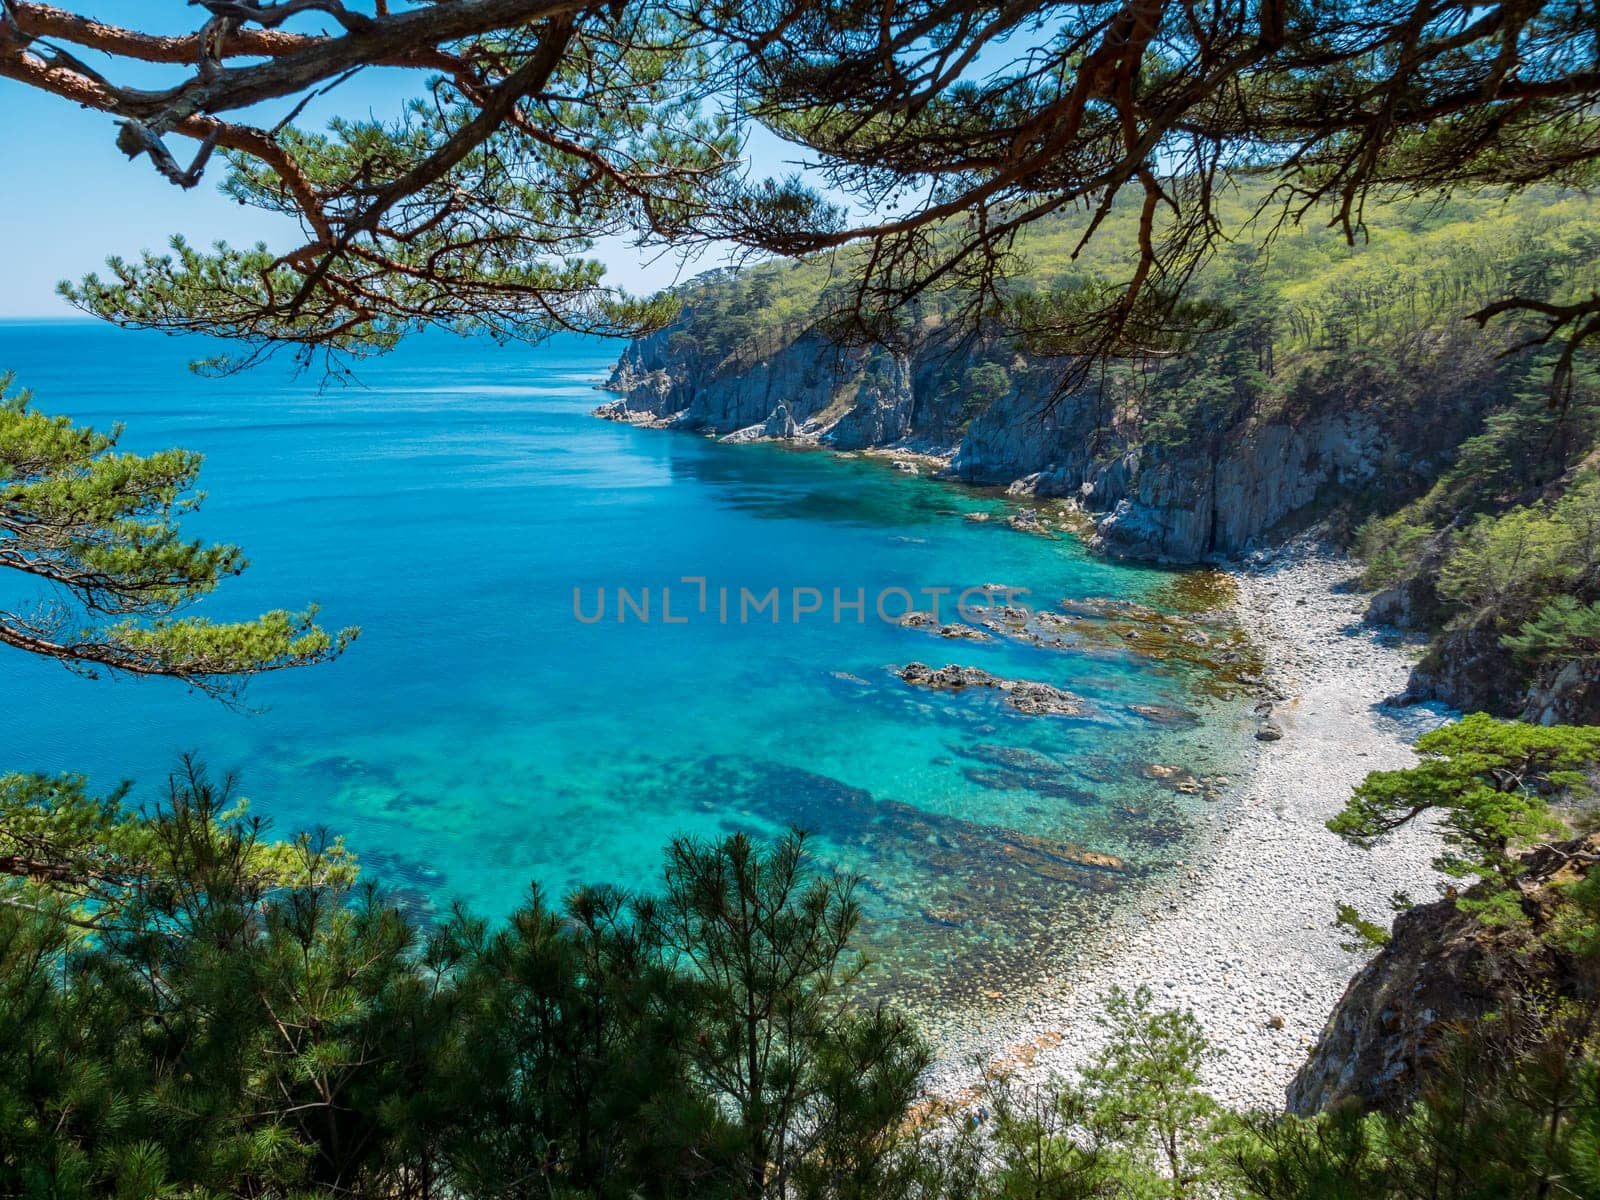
(1491,783)
(946,125)
(95,533)
(197,1010)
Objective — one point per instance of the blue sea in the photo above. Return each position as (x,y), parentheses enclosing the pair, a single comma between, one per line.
(459,503)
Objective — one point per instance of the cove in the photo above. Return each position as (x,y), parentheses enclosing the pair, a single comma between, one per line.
(459,502)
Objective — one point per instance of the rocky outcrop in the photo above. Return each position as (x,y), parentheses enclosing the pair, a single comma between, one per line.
(1414,601)
(1183,504)
(1467,669)
(1441,969)
(1470,670)
(1220,492)
(863,397)
(1025,695)
(1565,694)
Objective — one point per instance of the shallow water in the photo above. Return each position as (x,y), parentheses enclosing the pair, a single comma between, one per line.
(479,735)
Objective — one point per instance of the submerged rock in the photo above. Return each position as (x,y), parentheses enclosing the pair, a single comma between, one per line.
(1164,714)
(1226,661)
(1015,758)
(1054,786)
(1039,853)
(1179,779)
(1027,520)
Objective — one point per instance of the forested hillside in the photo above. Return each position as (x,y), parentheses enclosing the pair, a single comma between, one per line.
(1310,380)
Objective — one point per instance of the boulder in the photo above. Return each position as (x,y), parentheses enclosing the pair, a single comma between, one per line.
(966,632)
(779,423)
(1468,669)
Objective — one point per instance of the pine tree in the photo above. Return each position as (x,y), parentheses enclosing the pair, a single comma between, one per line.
(95,531)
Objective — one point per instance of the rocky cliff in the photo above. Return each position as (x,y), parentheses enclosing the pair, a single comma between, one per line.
(1217,488)
(1442,970)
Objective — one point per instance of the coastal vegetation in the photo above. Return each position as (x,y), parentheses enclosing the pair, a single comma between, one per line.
(1520,576)
(1307,318)
(1493,783)
(191,1008)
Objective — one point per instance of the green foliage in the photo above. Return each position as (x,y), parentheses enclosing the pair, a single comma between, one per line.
(1146,1085)
(1504,568)
(1577,926)
(982,385)
(96,531)
(1365,934)
(1502,1119)
(188,1007)
(1564,629)
(1390,548)
(1505,541)
(1338,1156)
(103,860)
(1020,1142)
(1523,446)
(770,946)
(443,217)
(1135,1124)
(1491,784)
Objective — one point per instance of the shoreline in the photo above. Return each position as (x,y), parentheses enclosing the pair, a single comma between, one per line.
(1243,935)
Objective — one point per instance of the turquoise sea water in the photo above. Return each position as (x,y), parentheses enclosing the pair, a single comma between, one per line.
(479,735)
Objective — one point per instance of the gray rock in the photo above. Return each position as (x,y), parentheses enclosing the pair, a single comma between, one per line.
(1468,669)
(779,423)
(1565,694)
(966,632)
(1025,695)
(1256,474)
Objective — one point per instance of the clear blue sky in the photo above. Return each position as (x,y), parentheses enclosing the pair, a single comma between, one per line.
(73,198)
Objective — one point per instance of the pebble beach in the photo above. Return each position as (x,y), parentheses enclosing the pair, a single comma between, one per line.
(1244,938)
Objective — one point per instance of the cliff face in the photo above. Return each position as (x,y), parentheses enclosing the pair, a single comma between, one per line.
(1214,491)
(1441,970)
